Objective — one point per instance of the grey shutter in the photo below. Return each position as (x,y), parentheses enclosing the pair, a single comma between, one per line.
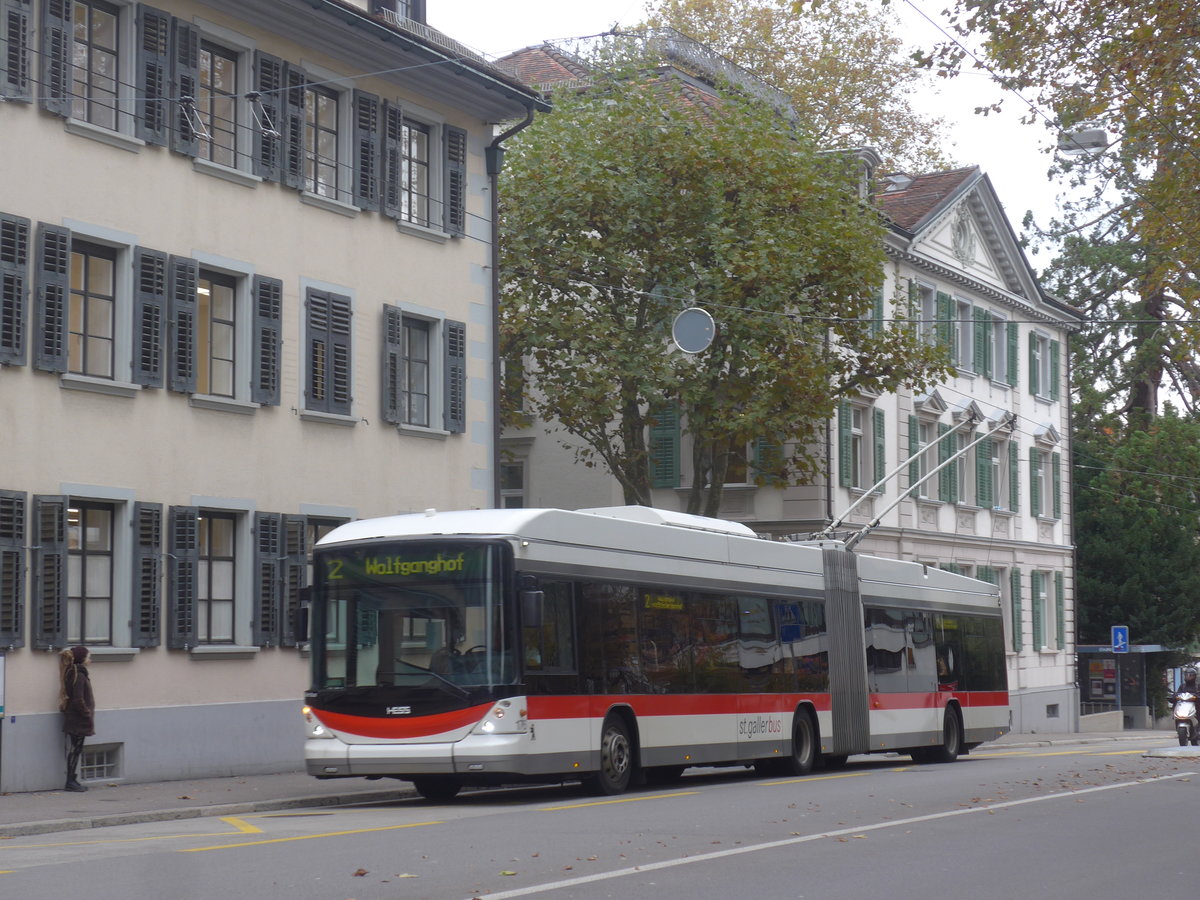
(393,160)
(664,445)
(144,625)
(183,558)
(1014,586)
(295,575)
(1054,354)
(984,489)
(15,29)
(1056,485)
(12,569)
(57,46)
(14,288)
(185,86)
(149,316)
(268,339)
(367,157)
(914,465)
(292,114)
(153,113)
(392,377)
(879,442)
(1037,608)
(1014,476)
(182,280)
(268,568)
(328,357)
(845,438)
(455,190)
(1014,354)
(1060,612)
(270,84)
(52,285)
(455,375)
(49,572)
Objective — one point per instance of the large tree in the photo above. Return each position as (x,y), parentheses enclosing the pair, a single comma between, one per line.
(640,196)
(840,62)
(1127,68)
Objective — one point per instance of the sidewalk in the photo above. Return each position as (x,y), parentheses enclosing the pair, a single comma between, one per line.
(41,812)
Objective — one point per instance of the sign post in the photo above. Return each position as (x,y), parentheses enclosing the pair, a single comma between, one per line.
(1120,639)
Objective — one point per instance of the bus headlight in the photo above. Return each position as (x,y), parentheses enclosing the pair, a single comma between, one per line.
(315,728)
(506,717)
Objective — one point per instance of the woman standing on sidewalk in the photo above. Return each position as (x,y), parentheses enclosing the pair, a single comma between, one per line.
(78,707)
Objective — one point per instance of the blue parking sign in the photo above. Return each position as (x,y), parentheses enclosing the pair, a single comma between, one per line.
(1120,639)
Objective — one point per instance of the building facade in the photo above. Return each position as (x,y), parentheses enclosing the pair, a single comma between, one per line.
(247,295)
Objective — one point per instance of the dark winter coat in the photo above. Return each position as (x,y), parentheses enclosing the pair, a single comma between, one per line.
(79,716)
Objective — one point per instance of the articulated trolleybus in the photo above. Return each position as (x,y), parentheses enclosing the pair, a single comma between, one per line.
(622,644)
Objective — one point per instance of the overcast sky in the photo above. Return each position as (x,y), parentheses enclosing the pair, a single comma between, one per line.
(1005,149)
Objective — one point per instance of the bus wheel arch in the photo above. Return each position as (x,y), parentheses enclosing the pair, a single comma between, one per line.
(618,753)
(803,747)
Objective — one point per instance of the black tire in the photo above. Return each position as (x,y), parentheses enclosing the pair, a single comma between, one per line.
(804,746)
(952,740)
(1181,733)
(437,788)
(616,760)
(664,774)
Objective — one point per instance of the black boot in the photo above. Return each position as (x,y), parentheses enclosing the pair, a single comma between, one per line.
(74,786)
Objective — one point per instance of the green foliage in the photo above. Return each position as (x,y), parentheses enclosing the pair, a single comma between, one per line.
(1136,511)
(640,196)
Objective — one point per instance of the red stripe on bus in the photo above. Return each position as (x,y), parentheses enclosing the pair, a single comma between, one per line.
(972,699)
(401,728)
(593,706)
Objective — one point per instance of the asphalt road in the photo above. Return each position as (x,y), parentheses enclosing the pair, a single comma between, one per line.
(1070,822)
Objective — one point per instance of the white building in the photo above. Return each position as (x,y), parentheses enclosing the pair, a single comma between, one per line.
(1001,512)
(247,294)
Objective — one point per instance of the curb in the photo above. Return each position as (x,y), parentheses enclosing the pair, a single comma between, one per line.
(49,826)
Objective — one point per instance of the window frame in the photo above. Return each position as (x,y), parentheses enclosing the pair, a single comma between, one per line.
(963,336)
(83,295)
(237,285)
(446,370)
(79,601)
(239,55)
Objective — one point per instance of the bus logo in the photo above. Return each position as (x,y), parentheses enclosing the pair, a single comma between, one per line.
(399,710)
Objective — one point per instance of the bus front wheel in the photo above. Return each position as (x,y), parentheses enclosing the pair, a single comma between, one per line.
(616,759)
(804,746)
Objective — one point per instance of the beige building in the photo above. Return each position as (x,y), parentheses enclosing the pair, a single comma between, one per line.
(247,294)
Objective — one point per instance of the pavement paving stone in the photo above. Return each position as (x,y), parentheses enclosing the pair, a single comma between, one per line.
(117,803)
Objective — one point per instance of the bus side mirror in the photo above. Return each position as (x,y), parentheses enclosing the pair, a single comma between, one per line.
(301,623)
(532,606)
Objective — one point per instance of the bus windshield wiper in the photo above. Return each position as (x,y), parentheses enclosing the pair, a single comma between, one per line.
(461,691)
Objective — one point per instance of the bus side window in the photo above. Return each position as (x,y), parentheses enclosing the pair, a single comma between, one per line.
(551,647)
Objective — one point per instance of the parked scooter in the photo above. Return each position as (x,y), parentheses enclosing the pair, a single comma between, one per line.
(1187,724)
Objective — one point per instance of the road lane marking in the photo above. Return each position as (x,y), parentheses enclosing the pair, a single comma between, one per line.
(809,838)
(241,825)
(804,779)
(306,837)
(618,800)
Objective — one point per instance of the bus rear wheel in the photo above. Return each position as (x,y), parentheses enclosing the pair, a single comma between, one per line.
(952,741)
(437,787)
(616,759)
(804,746)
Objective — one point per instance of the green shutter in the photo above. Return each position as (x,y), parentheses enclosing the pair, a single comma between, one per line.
(1034,374)
(664,446)
(1056,485)
(1014,476)
(914,466)
(768,461)
(845,476)
(1014,585)
(979,364)
(945,317)
(1035,493)
(879,441)
(1037,606)
(914,306)
(1054,351)
(877,311)
(945,451)
(1014,354)
(1060,611)
(983,474)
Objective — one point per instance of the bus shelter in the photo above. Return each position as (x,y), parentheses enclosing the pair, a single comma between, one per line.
(1111,682)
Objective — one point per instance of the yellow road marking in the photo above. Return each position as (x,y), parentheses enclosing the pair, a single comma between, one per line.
(805,778)
(242,825)
(139,840)
(619,800)
(306,837)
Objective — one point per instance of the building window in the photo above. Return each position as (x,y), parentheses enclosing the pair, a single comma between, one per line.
(861,446)
(998,345)
(90,573)
(215,577)
(928,311)
(99,762)
(414,388)
(95,58)
(512,485)
(926,435)
(217,104)
(90,318)
(414,173)
(964,469)
(1043,366)
(1043,625)
(321,140)
(216,332)
(964,344)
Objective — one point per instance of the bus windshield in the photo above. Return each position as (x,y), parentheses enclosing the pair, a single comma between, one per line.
(411,614)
